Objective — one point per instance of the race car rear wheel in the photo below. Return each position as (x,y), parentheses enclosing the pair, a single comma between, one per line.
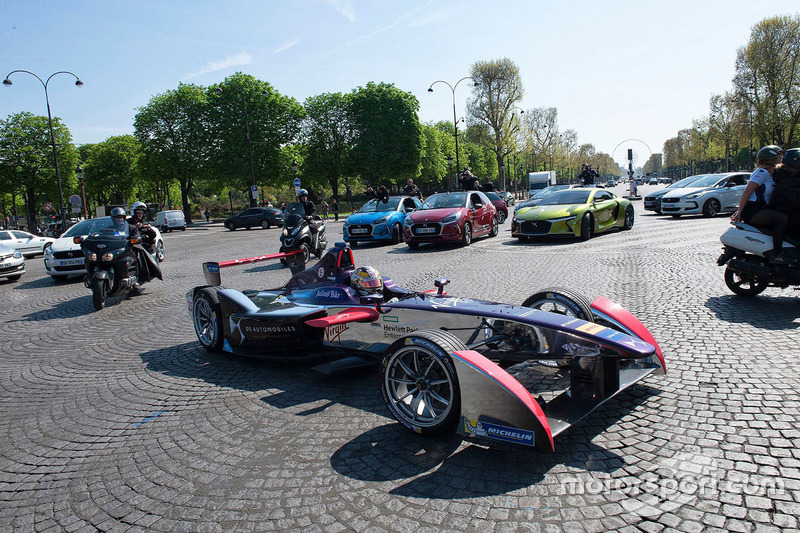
(207,318)
(419,383)
(744,284)
(561,301)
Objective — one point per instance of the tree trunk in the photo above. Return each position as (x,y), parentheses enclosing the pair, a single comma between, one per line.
(186,186)
(30,208)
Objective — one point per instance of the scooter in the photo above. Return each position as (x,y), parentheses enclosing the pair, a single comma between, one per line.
(748,270)
(297,234)
(113,265)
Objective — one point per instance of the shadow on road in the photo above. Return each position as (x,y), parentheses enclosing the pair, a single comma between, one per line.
(762,311)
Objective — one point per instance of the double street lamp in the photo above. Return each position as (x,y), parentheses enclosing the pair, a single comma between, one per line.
(455,120)
(78,83)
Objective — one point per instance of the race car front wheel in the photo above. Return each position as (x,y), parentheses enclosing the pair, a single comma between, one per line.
(419,382)
(207,318)
(561,301)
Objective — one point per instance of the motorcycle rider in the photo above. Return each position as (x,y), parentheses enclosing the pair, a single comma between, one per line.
(140,229)
(118,216)
(308,206)
(755,208)
(786,196)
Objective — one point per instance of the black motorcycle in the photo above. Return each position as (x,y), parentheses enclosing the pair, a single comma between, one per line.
(115,262)
(298,234)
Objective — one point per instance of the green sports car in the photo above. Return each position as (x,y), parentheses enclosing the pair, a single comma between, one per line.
(577,212)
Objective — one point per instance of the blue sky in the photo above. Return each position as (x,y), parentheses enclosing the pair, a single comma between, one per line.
(615,70)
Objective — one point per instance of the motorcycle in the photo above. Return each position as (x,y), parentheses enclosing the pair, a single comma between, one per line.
(748,270)
(114,265)
(297,234)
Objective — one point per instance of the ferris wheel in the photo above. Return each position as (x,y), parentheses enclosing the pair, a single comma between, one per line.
(638,150)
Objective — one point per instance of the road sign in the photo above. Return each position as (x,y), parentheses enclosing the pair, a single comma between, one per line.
(297,183)
(76,203)
(254,191)
(48,206)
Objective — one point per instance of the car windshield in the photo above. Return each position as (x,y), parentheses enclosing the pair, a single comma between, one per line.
(444,200)
(547,191)
(686,181)
(88,226)
(571,196)
(706,181)
(374,206)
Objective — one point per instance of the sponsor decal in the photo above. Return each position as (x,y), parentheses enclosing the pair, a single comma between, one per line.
(226,347)
(329,294)
(269,329)
(321,272)
(569,322)
(235,324)
(388,318)
(334,333)
(211,268)
(498,432)
(591,328)
(395,332)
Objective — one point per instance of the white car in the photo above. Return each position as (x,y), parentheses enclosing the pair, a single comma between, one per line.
(25,242)
(64,259)
(711,195)
(12,264)
(170,220)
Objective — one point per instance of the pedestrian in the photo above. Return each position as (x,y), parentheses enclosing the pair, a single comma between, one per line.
(324,210)
(335,209)
(207,215)
(283,207)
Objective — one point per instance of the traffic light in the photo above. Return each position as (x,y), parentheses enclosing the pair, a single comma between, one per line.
(630,154)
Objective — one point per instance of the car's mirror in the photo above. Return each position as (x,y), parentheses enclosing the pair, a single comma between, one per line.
(440,283)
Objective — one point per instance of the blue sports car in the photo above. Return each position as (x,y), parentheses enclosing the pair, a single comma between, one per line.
(379,221)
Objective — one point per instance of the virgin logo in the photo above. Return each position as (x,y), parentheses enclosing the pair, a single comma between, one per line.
(333,333)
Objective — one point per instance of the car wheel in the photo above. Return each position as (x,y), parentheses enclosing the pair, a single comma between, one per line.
(561,301)
(495,227)
(59,278)
(183,228)
(658,211)
(413,245)
(231,226)
(676,216)
(711,208)
(629,218)
(207,318)
(587,227)
(466,237)
(501,217)
(419,382)
(744,284)
(265,224)
(160,251)
(396,238)
(99,293)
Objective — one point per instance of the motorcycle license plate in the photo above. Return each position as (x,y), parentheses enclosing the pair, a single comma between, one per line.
(358,230)
(71,262)
(426,230)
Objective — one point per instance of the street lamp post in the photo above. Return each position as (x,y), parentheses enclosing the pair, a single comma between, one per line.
(455,120)
(79,172)
(249,148)
(78,83)
(294,171)
(449,171)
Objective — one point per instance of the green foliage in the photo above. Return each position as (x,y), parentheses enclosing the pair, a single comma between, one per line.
(111,170)
(328,137)
(388,135)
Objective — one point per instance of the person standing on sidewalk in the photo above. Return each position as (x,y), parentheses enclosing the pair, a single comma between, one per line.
(335,209)
(324,210)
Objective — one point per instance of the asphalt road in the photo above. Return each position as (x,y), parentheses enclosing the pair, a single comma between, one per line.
(117,420)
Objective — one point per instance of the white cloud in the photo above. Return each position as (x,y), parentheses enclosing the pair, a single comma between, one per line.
(286,46)
(345,8)
(242,58)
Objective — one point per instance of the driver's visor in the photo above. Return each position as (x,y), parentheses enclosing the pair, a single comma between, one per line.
(371,283)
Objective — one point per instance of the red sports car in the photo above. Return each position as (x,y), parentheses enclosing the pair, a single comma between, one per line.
(451,216)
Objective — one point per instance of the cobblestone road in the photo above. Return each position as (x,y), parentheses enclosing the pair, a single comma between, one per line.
(117,420)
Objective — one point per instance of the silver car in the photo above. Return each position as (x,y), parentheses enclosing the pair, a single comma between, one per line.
(12,264)
(25,242)
(711,195)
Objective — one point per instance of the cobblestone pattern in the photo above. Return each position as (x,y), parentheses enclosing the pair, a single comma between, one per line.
(117,420)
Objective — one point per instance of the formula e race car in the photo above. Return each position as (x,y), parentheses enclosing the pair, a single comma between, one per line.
(515,373)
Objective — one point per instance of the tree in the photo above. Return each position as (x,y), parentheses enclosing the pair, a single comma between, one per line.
(26,160)
(111,169)
(498,87)
(173,131)
(243,104)
(541,133)
(328,136)
(433,174)
(388,134)
(768,79)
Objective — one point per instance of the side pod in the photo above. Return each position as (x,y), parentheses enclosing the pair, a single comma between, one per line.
(496,406)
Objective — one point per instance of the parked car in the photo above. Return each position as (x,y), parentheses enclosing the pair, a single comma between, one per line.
(379,221)
(499,204)
(507,197)
(711,195)
(170,220)
(579,212)
(255,217)
(64,258)
(451,216)
(653,181)
(12,263)
(652,202)
(27,243)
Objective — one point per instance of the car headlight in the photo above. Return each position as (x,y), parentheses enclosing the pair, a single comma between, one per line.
(408,221)
(108,256)
(693,196)
(451,218)
(381,220)
(48,252)
(17,254)
(346,223)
